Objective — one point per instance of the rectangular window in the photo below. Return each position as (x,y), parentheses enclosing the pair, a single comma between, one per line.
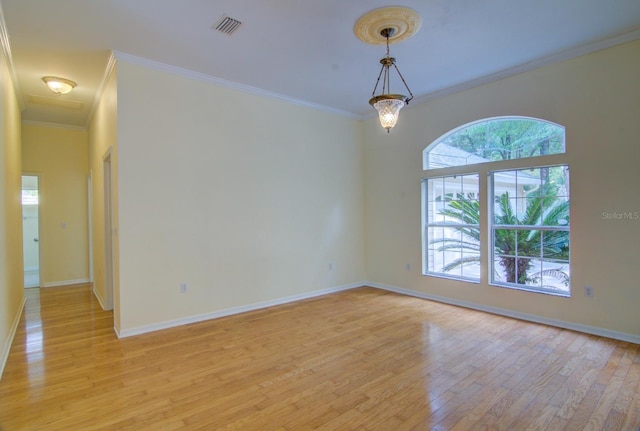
(452,236)
(530,229)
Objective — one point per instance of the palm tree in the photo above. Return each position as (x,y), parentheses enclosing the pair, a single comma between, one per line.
(543,208)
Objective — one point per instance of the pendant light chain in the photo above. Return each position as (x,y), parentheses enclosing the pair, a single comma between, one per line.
(386,68)
(378,81)
(405,84)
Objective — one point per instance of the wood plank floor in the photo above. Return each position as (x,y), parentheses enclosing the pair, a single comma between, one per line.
(363,359)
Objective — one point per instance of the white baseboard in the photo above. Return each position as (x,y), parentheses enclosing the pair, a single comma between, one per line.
(603,332)
(594,330)
(66,282)
(6,348)
(98,297)
(231,311)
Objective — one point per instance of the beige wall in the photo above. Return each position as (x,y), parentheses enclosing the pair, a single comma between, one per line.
(597,98)
(102,142)
(60,157)
(11,269)
(247,199)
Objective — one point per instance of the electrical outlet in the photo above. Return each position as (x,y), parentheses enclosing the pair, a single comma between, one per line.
(588,291)
(331,266)
(408,266)
(184,287)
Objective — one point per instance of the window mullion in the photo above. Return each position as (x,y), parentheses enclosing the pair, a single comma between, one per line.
(485,237)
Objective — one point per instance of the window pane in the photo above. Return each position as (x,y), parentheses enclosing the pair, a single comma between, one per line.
(493,140)
(533,258)
(503,266)
(504,242)
(556,245)
(529,243)
(452,226)
(555,276)
(524,269)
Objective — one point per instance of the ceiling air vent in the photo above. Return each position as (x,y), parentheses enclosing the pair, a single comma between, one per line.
(227,25)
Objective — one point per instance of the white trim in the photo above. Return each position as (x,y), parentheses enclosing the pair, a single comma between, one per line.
(231,311)
(90,222)
(53,125)
(66,282)
(6,49)
(99,297)
(6,349)
(175,70)
(108,243)
(108,70)
(567,54)
(587,329)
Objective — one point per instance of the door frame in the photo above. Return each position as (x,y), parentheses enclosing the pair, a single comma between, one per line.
(40,254)
(108,229)
(90,222)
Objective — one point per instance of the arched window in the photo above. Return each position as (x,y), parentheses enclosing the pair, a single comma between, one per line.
(527,212)
(495,139)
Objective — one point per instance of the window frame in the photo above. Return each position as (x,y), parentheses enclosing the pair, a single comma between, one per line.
(483,170)
(427,225)
(518,227)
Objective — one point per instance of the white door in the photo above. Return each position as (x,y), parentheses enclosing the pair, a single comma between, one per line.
(31,231)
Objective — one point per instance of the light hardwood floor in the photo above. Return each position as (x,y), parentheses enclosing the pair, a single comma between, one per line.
(362,359)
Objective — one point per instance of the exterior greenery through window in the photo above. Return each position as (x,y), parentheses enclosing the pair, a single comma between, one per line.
(527,214)
(530,229)
(454,226)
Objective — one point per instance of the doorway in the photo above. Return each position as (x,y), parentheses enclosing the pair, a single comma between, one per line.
(108,232)
(31,230)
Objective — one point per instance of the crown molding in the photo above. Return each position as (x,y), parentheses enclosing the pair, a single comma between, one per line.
(108,70)
(6,50)
(567,54)
(175,70)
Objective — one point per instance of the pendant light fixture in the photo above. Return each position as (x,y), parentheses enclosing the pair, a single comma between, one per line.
(386,103)
(385,26)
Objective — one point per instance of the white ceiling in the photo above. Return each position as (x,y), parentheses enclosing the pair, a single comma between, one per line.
(304,50)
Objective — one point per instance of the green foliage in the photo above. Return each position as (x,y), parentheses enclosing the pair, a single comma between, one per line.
(505,139)
(543,208)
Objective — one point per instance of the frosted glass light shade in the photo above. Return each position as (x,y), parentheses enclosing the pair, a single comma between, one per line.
(388,111)
(59,85)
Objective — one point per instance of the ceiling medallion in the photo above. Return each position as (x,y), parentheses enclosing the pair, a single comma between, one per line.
(405,23)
